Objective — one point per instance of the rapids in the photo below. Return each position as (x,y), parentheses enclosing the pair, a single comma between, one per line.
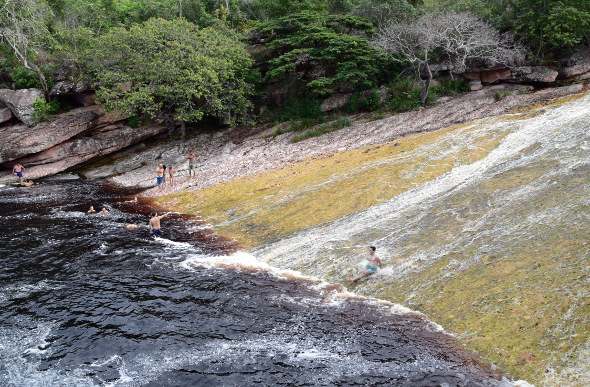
(85,302)
(495,250)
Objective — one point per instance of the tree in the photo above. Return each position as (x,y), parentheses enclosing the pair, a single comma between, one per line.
(326,52)
(547,25)
(23,25)
(165,66)
(450,38)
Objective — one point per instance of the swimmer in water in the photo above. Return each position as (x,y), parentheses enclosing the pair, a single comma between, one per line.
(131,226)
(134,201)
(104,211)
(371,267)
(155,223)
(27,184)
(92,210)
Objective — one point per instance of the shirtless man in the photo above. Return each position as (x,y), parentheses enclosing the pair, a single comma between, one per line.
(155,223)
(18,170)
(27,184)
(92,210)
(160,176)
(104,211)
(131,226)
(191,164)
(371,267)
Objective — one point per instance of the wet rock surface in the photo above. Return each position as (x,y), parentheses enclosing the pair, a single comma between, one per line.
(224,156)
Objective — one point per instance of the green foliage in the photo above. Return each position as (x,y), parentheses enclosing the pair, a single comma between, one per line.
(44,110)
(133,121)
(26,79)
(298,108)
(405,96)
(340,123)
(383,11)
(353,105)
(495,12)
(371,102)
(500,95)
(447,86)
(266,10)
(547,25)
(327,52)
(172,66)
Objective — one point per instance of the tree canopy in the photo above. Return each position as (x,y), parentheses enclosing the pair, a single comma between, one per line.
(327,52)
(172,66)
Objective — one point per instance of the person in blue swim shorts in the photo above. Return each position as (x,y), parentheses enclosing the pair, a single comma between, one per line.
(155,228)
(18,170)
(371,267)
(160,176)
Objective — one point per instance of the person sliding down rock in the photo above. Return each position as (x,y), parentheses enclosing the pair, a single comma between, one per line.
(371,267)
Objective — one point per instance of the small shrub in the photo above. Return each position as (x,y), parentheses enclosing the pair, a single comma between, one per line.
(44,110)
(352,106)
(133,121)
(371,103)
(26,79)
(298,108)
(498,96)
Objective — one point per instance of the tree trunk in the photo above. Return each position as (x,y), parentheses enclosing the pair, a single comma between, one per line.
(426,83)
(37,70)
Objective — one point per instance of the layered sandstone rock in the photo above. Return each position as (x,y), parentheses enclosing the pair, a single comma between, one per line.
(20,102)
(20,140)
(533,74)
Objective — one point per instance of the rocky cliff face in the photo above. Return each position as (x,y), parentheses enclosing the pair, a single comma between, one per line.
(71,138)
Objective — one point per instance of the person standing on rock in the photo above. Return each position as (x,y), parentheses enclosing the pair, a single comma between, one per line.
(160,176)
(191,164)
(171,172)
(371,267)
(18,170)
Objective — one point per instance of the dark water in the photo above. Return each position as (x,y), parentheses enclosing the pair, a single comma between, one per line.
(85,302)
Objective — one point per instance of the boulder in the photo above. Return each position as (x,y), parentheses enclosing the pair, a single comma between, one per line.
(20,140)
(69,88)
(20,102)
(493,76)
(534,74)
(5,114)
(575,64)
(336,101)
(475,85)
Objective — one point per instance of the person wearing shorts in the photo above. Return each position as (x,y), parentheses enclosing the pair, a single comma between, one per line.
(191,164)
(18,171)
(160,176)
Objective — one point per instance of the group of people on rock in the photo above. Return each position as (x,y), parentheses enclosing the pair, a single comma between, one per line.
(165,176)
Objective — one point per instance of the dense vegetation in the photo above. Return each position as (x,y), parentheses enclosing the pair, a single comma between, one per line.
(192,59)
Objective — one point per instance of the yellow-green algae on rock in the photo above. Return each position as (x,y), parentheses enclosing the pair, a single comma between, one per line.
(265,207)
(497,253)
